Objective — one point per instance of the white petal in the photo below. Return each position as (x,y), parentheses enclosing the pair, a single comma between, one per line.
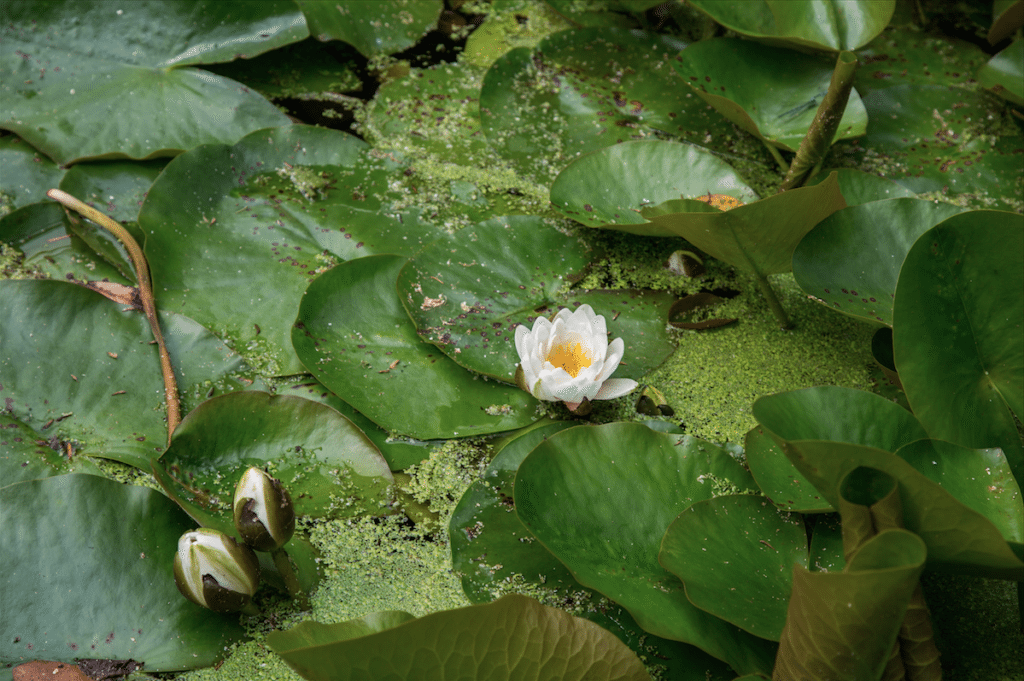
(564,314)
(615,387)
(612,359)
(524,343)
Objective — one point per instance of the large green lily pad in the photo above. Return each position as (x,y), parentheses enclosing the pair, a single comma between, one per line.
(777,478)
(99,79)
(606,526)
(957,338)
(283,204)
(525,264)
(327,464)
(353,334)
(1004,75)
(851,260)
(772,93)
(88,575)
(26,454)
(78,363)
(608,188)
(27,174)
(512,638)
(736,555)
(818,24)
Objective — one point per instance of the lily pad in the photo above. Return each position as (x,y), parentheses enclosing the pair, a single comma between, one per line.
(859,187)
(1004,75)
(353,334)
(72,65)
(736,555)
(526,264)
(50,247)
(116,188)
(608,188)
(843,625)
(824,449)
(957,333)
(495,554)
(103,391)
(373,28)
(285,203)
(586,89)
(607,526)
(69,543)
(772,93)
(27,174)
(512,638)
(777,478)
(26,454)
(759,237)
(851,260)
(326,463)
(804,23)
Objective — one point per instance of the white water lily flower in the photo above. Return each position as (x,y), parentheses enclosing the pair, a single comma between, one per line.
(569,359)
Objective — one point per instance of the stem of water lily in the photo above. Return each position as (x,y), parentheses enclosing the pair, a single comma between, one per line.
(291,581)
(773,301)
(145,293)
(778,157)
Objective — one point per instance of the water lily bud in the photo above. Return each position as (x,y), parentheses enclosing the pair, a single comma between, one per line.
(213,570)
(652,403)
(569,359)
(264,514)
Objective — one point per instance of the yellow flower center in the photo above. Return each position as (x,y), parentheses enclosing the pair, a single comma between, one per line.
(570,357)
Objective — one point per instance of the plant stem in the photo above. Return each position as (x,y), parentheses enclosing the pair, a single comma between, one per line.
(826,122)
(773,301)
(145,293)
(778,157)
(291,582)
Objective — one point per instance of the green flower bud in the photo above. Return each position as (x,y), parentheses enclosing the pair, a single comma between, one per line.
(213,570)
(264,514)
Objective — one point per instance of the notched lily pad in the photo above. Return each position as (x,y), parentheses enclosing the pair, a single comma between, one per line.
(514,637)
(373,28)
(353,334)
(327,464)
(770,92)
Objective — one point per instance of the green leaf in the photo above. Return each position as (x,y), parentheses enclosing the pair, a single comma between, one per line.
(60,342)
(373,28)
(957,336)
(27,174)
(736,554)
(586,89)
(26,454)
(860,187)
(607,525)
(283,203)
(770,92)
(980,479)
(353,334)
(842,625)
(818,24)
(326,463)
(778,479)
(525,264)
(116,188)
(759,237)
(1004,74)
(51,248)
(512,638)
(93,79)
(851,260)
(609,187)
(88,575)
(825,448)
(495,554)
